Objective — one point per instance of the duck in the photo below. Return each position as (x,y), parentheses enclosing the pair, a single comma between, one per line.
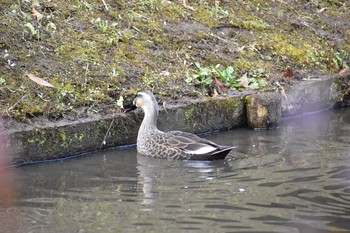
(172,144)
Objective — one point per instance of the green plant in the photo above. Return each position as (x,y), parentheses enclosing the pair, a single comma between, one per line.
(259,76)
(33,31)
(152,80)
(226,76)
(2,81)
(102,25)
(202,75)
(339,60)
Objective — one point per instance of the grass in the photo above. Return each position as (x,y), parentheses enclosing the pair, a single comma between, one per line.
(96,51)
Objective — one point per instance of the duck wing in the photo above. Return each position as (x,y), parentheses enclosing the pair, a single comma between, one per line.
(192,137)
(199,148)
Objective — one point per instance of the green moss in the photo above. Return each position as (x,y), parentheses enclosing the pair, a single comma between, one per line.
(189,114)
(39,137)
(227,105)
(203,16)
(341,83)
(92,54)
(255,25)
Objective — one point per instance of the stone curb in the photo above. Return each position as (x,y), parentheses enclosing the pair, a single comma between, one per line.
(48,140)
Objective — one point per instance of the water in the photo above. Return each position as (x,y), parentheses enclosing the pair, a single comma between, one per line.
(293,179)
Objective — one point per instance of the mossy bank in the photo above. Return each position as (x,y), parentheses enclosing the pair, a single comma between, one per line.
(47,140)
(93,51)
(98,52)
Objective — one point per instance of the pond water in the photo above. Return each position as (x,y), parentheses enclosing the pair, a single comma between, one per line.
(292,179)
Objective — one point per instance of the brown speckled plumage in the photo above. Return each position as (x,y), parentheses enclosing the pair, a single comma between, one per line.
(174,144)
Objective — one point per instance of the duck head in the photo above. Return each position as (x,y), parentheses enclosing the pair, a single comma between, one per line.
(145,100)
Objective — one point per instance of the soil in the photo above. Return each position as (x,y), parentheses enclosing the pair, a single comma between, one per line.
(95,52)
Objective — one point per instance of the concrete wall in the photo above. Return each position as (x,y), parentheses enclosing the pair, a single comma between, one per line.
(42,139)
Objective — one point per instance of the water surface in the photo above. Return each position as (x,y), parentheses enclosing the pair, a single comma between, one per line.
(293,179)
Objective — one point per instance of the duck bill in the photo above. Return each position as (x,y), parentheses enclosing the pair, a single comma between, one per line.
(129,107)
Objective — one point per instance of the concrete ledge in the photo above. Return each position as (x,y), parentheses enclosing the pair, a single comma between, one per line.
(42,139)
(309,96)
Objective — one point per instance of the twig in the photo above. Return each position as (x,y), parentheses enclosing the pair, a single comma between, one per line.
(104,3)
(164,107)
(283,93)
(109,128)
(10,108)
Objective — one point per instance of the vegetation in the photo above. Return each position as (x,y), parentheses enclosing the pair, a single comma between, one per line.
(226,77)
(93,51)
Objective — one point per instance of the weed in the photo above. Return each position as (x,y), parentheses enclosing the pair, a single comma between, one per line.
(340,60)
(152,80)
(228,77)
(94,50)
(102,25)
(2,81)
(202,75)
(50,26)
(33,31)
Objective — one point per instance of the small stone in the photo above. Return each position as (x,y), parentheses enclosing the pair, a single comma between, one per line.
(241,190)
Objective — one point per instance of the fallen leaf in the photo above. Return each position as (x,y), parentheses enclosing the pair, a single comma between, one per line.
(120,102)
(40,81)
(165,73)
(244,80)
(36,14)
(343,70)
(215,94)
(220,86)
(288,73)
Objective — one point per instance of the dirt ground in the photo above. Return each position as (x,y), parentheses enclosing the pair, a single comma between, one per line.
(96,51)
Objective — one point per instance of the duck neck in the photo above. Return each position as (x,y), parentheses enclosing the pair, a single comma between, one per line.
(149,122)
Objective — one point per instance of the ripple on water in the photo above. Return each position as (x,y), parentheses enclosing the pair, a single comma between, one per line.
(293,179)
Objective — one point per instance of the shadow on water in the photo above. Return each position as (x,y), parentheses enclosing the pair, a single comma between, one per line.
(293,179)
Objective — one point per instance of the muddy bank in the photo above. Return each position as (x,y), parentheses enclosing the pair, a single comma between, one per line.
(43,139)
(95,51)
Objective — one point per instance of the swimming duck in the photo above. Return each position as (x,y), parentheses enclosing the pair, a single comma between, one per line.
(173,144)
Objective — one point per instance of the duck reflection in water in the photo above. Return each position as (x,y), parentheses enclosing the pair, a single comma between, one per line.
(158,177)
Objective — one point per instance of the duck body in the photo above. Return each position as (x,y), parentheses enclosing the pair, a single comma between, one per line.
(173,144)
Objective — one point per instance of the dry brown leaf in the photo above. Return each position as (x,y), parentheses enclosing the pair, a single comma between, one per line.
(343,71)
(288,73)
(244,80)
(40,81)
(36,14)
(220,86)
(215,93)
